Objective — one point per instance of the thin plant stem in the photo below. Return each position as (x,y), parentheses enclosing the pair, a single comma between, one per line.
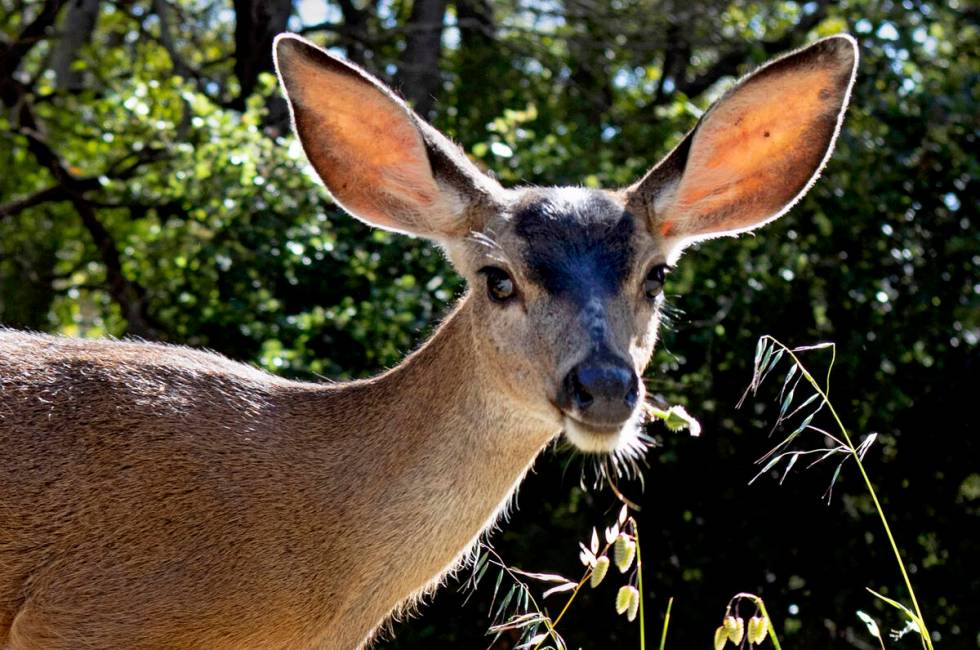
(568,603)
(772,630)
(663,635)
(639,583)
(923,631)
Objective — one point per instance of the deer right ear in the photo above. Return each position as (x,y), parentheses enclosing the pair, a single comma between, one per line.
(755,152)
(380,161)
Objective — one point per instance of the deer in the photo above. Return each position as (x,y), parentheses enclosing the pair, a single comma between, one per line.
(157,496)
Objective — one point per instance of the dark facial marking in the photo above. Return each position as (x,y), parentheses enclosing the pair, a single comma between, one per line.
(578,244)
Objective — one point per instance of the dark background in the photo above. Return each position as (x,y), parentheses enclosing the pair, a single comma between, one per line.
(149,186)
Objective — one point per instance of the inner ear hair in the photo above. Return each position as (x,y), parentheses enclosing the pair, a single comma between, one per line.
(756,151)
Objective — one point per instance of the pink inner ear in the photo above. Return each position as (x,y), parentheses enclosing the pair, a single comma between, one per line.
(756,151)
(363,144)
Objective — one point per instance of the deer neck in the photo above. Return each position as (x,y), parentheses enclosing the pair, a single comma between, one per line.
(430,453)
(452,432)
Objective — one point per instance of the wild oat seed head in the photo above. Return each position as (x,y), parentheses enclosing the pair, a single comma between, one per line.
(624,550)
(721,637)
(757,629)
(599,572)
(735,627)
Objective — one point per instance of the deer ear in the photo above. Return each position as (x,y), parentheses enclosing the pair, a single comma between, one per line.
(756,151)
(380,161)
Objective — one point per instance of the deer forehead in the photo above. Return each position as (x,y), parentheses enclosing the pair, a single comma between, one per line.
(573,243)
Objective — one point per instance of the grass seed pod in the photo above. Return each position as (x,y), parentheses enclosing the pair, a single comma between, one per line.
(624,550)
(758,629)
(623,599)
(721,637)
(599,571)
(735,627)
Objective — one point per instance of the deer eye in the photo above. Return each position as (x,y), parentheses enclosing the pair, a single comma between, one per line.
(653,285)
(500,286)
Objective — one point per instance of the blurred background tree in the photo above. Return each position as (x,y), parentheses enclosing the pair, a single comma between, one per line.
(149,186)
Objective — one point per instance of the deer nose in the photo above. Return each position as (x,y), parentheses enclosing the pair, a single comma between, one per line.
(604,392)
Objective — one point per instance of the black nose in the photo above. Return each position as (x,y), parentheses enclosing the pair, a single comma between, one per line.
(603,391)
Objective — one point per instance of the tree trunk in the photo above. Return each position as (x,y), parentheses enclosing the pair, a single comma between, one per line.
(477,59)
(256,23)
(355,34)
(418,71)
(76,31)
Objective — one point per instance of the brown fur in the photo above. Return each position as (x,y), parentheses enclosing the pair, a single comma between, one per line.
(197,502)
(160,497)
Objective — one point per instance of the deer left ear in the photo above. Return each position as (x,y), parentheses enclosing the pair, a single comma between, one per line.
(756,151)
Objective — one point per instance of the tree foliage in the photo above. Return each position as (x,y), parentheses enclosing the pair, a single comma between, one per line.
(149,186)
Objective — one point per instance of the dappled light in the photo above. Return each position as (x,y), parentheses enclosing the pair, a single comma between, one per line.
(151,186)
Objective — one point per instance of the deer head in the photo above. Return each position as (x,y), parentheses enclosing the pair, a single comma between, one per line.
(568,282)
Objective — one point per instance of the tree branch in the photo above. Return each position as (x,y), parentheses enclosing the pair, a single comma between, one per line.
(47,195)
(728,63)
(12,54)
(128,295)
(180,67)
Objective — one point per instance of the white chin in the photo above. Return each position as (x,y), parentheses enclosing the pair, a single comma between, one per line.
(595,441)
